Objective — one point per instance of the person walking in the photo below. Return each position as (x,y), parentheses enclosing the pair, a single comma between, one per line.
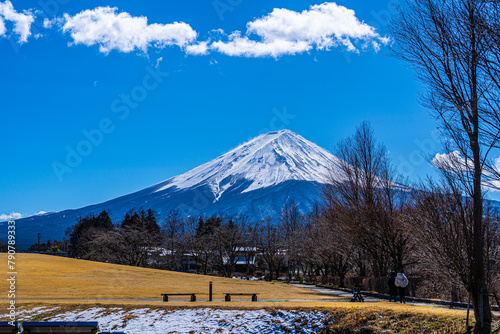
(393,291)
(401,283)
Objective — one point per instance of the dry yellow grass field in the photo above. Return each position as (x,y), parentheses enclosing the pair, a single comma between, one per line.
(51,277)
(44,280)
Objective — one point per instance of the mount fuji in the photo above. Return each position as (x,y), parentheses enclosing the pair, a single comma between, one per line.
(255,179)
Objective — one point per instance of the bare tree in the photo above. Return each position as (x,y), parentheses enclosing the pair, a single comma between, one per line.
(203,244)
(270,245)
(229,242)
(324,248)
(250,238)
(124,245)
(364,202)
(291,224)
(173,229)
(452,45)
(489,29)
(191,249)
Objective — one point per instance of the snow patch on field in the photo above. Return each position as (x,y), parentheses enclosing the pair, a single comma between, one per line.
(206,320)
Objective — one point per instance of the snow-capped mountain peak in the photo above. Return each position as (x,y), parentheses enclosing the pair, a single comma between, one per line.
(254,179)
(264,161)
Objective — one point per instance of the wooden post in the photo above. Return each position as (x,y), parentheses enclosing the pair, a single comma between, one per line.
(496,298)
(210,291)
(454,295)
(481,308)
(467,319)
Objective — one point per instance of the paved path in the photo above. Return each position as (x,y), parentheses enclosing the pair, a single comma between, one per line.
(336,293)
(340,293)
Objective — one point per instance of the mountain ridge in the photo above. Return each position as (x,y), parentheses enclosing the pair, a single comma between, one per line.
(254,179)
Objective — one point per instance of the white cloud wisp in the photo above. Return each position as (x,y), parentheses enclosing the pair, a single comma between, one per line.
(452,161)
(286,32)
(21,22)
(111,30)
(456,163)
(13,215)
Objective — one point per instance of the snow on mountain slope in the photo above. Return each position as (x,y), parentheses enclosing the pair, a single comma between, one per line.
(265,161)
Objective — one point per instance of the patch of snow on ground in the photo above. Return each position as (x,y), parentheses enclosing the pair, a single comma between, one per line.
(206,320)
(29,314)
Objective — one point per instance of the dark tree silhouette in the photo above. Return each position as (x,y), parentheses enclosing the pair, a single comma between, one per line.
(85,231)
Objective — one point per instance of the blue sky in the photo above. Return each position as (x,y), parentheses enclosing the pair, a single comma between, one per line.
(158,98)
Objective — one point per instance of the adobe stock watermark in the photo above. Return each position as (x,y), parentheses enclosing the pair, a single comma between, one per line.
(280,120)
(223,6)
(417,158)
(121,109)
(11,272)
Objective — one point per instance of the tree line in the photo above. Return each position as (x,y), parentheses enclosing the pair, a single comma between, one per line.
(213,243)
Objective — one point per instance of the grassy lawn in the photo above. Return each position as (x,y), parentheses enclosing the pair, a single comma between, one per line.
(70,283)
(45,276)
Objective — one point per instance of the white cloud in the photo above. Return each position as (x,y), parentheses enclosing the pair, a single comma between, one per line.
(13,215)
(445,158)
(197,49)
(158,61)
(110,30)
(496,163)
(40,213)
(3,30)
(284,31)
(452,161)
(48,24)
(21,21)
(455,162)
(219,31)
(281,32)
(494,183)
(243,46)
